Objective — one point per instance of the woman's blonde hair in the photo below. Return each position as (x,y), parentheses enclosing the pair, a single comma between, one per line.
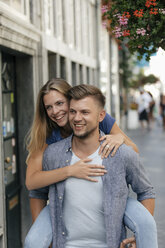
(43,126)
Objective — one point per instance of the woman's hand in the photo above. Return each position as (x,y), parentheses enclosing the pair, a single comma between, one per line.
(111,144)
(82,169)
(131,241)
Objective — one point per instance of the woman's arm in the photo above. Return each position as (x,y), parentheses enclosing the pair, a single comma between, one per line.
(116,138)
(36,178)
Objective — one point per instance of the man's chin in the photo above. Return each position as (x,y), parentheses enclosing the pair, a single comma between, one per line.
(83,135)
(80,135)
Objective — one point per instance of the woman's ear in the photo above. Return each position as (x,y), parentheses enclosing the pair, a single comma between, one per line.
(102,115)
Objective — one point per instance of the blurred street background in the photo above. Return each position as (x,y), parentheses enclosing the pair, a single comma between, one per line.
(151,145)
(81,41)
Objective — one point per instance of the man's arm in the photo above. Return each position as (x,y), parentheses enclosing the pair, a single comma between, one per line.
(137,178)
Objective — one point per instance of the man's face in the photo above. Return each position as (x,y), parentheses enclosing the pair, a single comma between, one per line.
(84,116)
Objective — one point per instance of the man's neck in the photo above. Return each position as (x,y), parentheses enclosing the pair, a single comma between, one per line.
(87,146)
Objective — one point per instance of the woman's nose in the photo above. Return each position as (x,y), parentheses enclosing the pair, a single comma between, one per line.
(55,110)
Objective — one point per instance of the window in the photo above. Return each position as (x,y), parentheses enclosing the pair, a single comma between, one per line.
(81,74)
(52,65)
(63,67)
(73,73)
(88,76)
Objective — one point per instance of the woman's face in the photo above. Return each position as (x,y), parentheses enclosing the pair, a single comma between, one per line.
(56,105)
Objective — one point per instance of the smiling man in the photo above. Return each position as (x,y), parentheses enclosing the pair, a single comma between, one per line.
(85,214)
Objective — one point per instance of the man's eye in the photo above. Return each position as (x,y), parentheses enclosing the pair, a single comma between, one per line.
(71,111)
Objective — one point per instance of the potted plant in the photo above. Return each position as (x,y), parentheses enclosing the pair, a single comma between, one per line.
(139,24)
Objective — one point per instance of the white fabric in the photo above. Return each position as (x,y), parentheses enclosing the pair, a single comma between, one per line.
(144,102)
(83,210)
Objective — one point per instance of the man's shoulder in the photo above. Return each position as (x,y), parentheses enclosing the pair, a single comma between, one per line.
(126,152)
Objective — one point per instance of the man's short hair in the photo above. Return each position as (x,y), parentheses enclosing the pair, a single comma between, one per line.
(81,91)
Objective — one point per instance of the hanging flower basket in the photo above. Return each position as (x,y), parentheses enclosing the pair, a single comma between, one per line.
(140,24)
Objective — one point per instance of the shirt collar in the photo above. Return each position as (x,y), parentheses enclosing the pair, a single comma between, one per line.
(69,141)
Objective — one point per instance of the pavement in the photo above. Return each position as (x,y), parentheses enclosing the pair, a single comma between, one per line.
(151,145)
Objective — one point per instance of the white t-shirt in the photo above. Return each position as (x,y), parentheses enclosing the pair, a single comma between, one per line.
(144,102)
(83,210)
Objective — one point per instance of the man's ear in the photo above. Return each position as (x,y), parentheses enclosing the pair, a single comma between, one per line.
(102,115)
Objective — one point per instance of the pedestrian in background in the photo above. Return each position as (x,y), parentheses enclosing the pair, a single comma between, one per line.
(151,108)
(143,102)
(162,109)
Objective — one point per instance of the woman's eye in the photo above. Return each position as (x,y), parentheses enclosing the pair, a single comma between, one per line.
(59,103)
(48,107)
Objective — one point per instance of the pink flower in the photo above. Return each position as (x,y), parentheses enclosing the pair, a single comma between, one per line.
(104,9)
(104,24)
(117,32)
(141,31)
(123,20)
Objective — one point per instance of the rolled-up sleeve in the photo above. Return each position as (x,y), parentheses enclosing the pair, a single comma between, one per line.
(41,193)
(137,176)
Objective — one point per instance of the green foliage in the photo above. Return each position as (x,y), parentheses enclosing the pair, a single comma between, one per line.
(141,80)
(142,22)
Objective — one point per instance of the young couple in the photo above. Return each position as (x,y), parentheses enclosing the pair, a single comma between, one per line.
(91,212)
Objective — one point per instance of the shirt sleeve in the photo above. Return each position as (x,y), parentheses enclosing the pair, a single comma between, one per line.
(41,193)
(107,124)
(137,177)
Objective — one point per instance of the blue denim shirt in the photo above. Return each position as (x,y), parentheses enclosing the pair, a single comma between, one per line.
(123,169)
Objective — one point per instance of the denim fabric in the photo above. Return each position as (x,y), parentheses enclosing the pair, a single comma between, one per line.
(40,234)
(139,220)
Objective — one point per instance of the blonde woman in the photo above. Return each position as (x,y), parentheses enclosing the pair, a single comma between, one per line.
(51,125)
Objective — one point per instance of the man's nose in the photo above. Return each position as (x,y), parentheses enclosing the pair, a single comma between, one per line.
(77,117)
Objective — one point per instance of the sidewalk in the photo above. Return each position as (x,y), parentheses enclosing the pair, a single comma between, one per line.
(151,145)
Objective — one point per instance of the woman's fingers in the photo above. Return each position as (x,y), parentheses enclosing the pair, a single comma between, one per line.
(97,166)
(102,138)
(114,150)
(103,146)
(107,150)
(91,179)
(85,160)
(110,144)
(96,173)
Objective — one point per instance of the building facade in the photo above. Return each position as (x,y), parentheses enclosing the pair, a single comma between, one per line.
(39,40)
